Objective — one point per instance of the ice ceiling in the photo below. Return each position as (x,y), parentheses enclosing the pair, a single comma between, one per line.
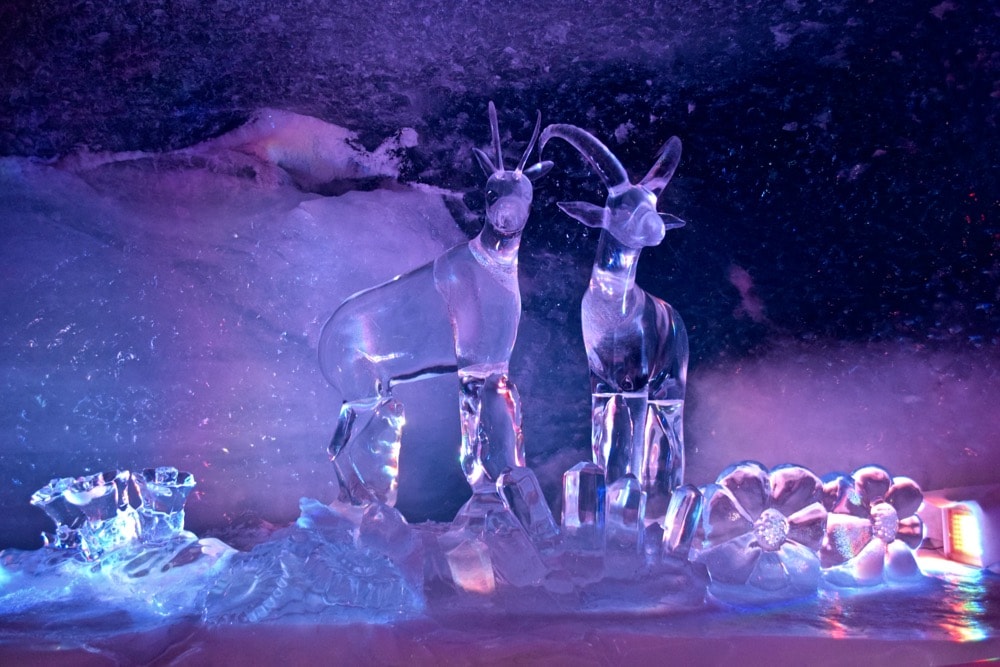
(839,273)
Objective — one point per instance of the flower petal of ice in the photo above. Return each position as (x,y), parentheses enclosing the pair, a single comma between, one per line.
(910,531)
(808,526)
(793,488)
(905,495)
(846,538)
(872,483)
(769,573)
(750,486)
(722,518)
(731,562)
(801,564)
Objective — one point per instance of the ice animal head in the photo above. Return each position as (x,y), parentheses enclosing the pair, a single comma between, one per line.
(509,193)
(630,213)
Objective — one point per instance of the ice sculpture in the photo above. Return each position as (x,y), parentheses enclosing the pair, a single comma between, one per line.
(761,532)
(460,312)
(873,527)
(637,346)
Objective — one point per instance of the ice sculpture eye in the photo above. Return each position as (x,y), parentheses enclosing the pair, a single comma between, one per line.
(491,197)
(771,529)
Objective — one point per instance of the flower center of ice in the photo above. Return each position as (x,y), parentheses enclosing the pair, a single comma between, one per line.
(771,529)
(885,521)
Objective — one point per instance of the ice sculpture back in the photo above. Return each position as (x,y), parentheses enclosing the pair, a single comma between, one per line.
(457,313)
(637,346)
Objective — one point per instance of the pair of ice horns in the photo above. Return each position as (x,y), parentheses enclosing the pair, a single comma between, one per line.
(461,312)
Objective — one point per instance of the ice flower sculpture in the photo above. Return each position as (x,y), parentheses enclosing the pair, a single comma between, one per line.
(458,313)
(873,527)
(762,531)
(637,346)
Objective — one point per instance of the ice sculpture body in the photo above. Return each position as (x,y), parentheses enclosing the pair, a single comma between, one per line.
(637,346)
(458,313)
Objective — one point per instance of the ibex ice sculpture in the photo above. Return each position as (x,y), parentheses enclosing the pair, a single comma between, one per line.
(637,347)
(459,312)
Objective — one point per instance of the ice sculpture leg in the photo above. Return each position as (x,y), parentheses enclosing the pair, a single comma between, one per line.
(491,428)
(663,457)
(618,433)
(365,450)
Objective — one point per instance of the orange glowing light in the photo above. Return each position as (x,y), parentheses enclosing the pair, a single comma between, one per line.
(963,541)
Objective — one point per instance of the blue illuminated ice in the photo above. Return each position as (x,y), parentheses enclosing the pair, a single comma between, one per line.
(457,313)
(637,346)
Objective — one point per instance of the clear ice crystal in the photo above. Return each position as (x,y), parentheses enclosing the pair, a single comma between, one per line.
(486,520)
(680,523)
(584,505)
(458,313)
(626,513)
(523,496)
(637,346)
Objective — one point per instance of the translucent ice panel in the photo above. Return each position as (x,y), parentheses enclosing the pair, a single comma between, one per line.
(626,513)
(584,504)
(523,495)
(163,492)
(491,428)
(680,522)
(365,450)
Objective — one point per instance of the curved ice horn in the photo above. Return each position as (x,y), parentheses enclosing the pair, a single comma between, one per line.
(597,154)
(663,170)
(531,144)
(495,129)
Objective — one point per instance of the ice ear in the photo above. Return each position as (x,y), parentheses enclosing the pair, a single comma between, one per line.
(484,162)
(587,213)
(537,170)
(671,221)
(663,170)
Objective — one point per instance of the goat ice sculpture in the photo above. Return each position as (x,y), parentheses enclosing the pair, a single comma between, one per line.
(637,347)
(459,312)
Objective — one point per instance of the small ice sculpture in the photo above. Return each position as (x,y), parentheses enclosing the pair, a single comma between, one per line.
(92,513)
(681,521)
(460,312)
(873,528)
(762,532)
(101,513)
(637,346)
(626,510)
(163,492)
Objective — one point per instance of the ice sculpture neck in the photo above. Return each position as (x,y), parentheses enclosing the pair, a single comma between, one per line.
(458,313)
(613,276)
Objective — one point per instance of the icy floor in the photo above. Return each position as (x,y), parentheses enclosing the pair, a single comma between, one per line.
(953,617)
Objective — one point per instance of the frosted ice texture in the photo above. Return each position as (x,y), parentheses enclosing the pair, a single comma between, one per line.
(637,345)
(761,532)
(458,313)
(873,527)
